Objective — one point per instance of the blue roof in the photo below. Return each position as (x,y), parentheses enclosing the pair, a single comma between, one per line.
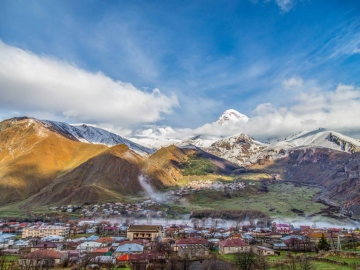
(292,236)
(92,238)
(279,244)
(129,248)
(6,236)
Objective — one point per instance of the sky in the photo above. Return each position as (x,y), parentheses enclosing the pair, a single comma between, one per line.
(289,65)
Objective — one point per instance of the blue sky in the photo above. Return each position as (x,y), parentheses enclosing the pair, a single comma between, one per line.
(203,56)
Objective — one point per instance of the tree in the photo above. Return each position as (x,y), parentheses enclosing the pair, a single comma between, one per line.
(323,243)
(305,263)
(245,260)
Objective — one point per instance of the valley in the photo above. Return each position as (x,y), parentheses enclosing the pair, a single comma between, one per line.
(312,176)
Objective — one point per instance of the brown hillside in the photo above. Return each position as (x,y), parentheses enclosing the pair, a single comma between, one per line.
(171,159)
(111,175)
(31,156)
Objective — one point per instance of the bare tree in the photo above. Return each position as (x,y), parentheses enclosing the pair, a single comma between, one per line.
(305,263)
(245,260)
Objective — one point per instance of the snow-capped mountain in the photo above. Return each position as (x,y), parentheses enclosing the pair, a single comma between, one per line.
(231,116)
(237,148)
(318,138)
(96,135)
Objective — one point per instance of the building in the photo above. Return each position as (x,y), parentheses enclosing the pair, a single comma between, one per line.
(88,246)
(282,228)
(42,259)
(129,248)
(47,245)
(45,230)
(233,245)
(144,232)
(262,251)
(193,251)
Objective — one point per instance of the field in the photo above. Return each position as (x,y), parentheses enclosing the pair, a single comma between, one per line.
(282,200)
(318,265)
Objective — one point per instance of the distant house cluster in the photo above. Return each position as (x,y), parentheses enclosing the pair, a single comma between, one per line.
(119,244)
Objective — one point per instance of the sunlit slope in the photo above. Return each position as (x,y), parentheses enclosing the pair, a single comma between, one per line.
(31,156)
(111,175)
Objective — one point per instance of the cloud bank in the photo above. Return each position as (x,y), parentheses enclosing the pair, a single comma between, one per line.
(312,107)
(42,86)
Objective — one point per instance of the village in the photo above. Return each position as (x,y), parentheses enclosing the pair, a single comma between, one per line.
(197,185)
(108,244)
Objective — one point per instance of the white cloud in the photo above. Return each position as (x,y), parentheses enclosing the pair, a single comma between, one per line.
(336,110)
(285,5)
(40,85)
(293,81)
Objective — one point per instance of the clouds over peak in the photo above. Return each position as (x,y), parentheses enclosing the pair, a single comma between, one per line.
(312,107)
(45,87)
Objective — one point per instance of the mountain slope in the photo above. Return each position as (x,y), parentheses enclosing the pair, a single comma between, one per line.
(237,149)
(31,156)
(111,175)
(180,161)
(318,138)
(91,134)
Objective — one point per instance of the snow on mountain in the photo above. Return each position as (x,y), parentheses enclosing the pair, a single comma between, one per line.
(96,135)
(318,138)
(157,132)
(231,116)
(155,137)
(237,148)
(200,141)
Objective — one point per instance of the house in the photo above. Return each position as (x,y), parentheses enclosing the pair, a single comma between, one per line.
(42,258)
(20,244)
(47,245)
(6,240)
(92,238)
(193,251)
(262,251)
(280,246)
(233,245)
(74,255)
(282,228)
(105,240)
(101,260)
(88,246)
(146,232)
(190,241)
(55,238)
(129,248)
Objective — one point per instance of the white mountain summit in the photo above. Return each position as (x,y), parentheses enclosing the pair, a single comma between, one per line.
(231,116)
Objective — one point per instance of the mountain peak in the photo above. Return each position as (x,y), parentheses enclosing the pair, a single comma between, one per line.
(231,116)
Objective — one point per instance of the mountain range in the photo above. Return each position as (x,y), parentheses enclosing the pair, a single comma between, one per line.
(45,162)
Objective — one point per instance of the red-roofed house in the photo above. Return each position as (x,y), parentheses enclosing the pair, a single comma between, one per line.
(233,245)
(141,257)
